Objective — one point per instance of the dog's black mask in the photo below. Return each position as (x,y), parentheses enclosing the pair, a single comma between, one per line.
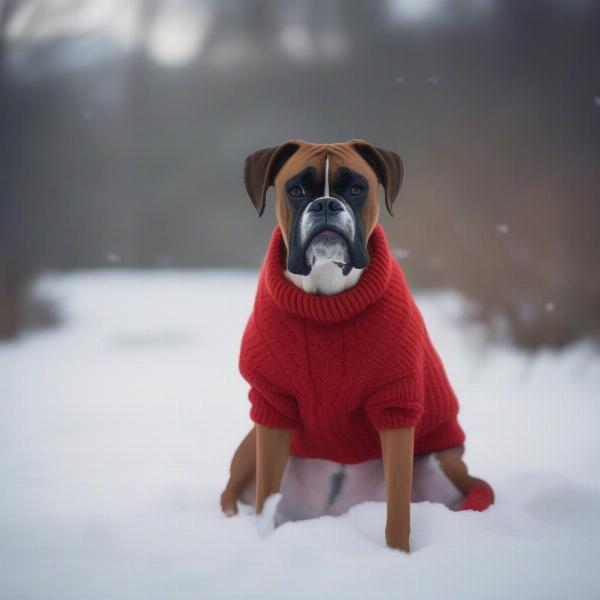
(313,213)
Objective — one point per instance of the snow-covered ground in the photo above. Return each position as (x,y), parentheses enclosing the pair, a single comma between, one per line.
(116,431)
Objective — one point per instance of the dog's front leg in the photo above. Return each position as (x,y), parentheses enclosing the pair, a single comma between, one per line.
(272,451)
(397,446)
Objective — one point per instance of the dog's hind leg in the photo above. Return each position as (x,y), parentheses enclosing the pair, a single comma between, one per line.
(242,480)
(431,484)
(477,493)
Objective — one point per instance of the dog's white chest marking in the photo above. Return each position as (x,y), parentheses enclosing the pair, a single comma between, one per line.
(325,278)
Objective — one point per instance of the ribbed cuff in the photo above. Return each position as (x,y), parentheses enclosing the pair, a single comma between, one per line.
(394,405)
(264,413)
(447,435)
(393,418)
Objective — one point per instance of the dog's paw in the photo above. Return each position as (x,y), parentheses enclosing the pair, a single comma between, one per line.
(229,504)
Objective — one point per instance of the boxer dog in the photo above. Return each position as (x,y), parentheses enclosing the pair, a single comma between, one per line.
(327,208)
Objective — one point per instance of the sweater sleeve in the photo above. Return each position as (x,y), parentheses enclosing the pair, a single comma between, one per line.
(398,403)
(399,399)
(271,405)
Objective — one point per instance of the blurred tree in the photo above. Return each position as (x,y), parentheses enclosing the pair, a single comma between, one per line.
(114,156)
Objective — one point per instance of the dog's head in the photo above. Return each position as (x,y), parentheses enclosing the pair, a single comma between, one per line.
(327,197)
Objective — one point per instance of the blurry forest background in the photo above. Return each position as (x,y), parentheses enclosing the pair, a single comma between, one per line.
(124,125)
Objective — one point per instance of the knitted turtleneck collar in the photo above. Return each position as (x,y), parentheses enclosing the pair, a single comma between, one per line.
(335,308)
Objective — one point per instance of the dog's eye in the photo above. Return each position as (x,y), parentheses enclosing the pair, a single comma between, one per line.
(296,191)
(356,189)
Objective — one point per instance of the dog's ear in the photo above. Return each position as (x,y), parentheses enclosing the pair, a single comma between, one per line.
(261,168)
(388,167)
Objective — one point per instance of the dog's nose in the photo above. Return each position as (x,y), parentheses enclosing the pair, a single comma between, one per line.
(334,205)
(326,204)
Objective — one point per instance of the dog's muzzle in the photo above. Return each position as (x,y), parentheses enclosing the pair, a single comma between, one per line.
(327,214)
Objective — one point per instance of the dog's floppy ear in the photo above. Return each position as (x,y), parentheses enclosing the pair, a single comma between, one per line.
(260,169)
(388,167)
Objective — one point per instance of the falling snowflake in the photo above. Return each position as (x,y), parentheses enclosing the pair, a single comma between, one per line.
(433,79)
(401,253)
(550,306)
(597,100)
(400,80)
(502,228)
(111,257)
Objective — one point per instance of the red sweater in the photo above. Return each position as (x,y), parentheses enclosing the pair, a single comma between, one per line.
(336,369)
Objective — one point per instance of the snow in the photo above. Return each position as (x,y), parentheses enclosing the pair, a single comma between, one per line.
(401,253)
(116,432)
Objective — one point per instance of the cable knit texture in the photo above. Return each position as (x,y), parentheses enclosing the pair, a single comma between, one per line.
(337,369)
